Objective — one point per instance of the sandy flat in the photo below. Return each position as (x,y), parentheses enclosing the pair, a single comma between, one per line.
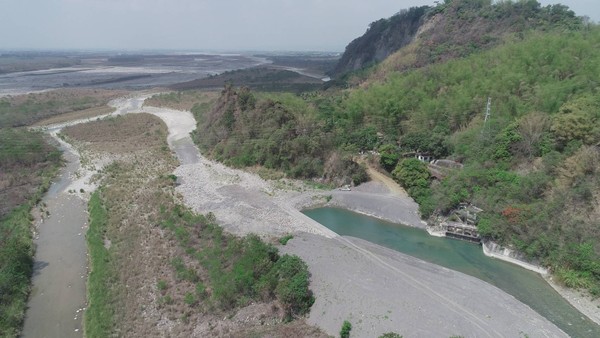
(381,290)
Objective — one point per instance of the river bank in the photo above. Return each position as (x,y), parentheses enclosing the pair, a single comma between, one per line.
(580,300)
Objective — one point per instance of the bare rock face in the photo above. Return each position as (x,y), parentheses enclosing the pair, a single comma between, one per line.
(383,38)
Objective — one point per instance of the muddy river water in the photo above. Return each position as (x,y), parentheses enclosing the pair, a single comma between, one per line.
(56,304)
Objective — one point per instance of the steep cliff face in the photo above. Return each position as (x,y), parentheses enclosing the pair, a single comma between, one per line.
(449,30)
(383,38)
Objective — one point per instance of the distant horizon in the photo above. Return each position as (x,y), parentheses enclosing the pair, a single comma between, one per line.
(203,25)
(175,51)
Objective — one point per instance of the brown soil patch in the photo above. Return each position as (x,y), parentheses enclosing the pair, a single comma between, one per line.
(76,115)
(121,135)
(20,110)
(378,176)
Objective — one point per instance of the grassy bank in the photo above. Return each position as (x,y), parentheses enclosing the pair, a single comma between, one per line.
(236,271)
(26,169)
(102,293)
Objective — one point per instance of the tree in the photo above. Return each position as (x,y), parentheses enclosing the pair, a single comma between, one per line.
(389,156)
(531,129)
(414,176)
(412,173)
(578,121)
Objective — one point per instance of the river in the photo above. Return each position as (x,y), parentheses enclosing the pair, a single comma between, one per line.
(528,287)
(57,300)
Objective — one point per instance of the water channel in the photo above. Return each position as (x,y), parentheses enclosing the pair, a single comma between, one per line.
(528,287)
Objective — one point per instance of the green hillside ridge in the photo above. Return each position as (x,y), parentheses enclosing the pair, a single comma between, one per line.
(533,167)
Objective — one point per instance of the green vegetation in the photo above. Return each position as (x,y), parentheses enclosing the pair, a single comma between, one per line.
(19,147)
(258,78)
(16,265)
(283,240)
(462,27)
(212,271)
(27,164)
(238,270)
(99,317)
(383,36)
(532,167)
(276,131)
(346,328)
(414,176)
(390,335)
(23,62)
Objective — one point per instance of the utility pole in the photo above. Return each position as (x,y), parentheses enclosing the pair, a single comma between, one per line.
(487,113)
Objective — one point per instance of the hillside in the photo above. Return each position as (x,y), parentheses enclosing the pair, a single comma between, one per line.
(277,132)
(532,168)
(455,28)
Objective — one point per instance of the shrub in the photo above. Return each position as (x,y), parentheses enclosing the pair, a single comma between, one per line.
(200,290)
(390,335)
(190,299)
(346,328)
(414,176)
(389,156)
(283,240)
(292,289)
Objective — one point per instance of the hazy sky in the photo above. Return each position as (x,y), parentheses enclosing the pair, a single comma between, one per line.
(323,25)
